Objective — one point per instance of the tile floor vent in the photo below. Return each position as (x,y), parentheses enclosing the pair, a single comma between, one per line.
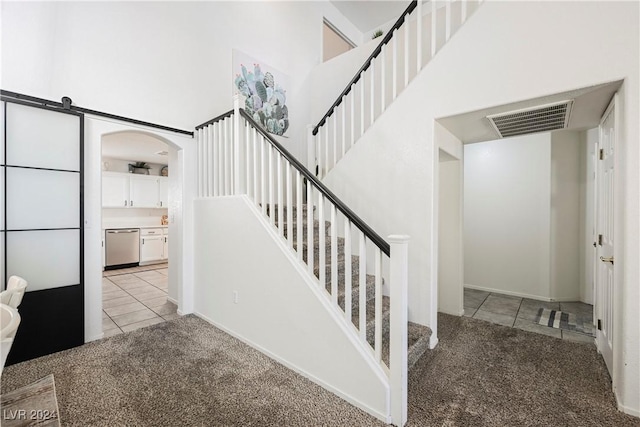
(542,118)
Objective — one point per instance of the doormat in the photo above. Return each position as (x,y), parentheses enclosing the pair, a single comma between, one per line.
(32,405)
(563,320)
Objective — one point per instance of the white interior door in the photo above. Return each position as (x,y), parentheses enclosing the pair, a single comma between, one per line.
(605,260)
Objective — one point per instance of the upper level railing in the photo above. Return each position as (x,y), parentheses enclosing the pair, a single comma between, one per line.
(414,39)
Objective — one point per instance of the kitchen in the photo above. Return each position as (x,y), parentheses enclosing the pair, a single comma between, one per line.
(135,232)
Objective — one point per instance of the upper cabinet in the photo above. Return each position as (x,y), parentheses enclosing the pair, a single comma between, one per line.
(123,190)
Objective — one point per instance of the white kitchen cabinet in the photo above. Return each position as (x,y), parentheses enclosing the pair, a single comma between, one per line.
(144,191)
(151,245)
(123,190)
(115,190)
(163,186)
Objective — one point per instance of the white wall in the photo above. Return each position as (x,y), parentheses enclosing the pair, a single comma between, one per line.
(278,310)
(565,216)
(162,62)
(507,215)
(389,176)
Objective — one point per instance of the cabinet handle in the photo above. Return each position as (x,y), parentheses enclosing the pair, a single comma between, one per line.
(132,203)
(160,203)
(125,203)
(143,241)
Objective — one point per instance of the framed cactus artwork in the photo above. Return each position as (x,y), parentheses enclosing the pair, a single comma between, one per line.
(264,91)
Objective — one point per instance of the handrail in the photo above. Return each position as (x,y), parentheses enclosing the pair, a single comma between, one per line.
(367,63)
(355,219)
(215,119)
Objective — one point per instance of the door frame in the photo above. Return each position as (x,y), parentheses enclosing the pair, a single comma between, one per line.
(180,218)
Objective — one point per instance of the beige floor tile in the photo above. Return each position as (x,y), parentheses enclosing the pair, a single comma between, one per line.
(124,309)
(152,274)
(105,315)
(113,294)
(112,332)
(155,302)
(108,324)
(136,316)
(497,318)
(142,324)
(171,316)
(157,293)
(128,299)
(165,309)
(164,271)
(129,286)
(501,304)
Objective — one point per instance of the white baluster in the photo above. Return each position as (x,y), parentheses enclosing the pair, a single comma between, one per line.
(348,305)
(289,206)
(378,303)
(263,173)
(362,84)
(326,147)
(344,125)
(322,250)
(383,78)
(406,51)
(220,164)
(398,278)
(394,65)
(334,255)
(236,144)
(255,166)
(299,213)
(334,143)
(270,171)
(247,158)
(434,32)
(227,158)
(447,21)
(362,290)
(372,67)
(352,119)
(199,162)
(280,191)
(310,242)
(419,37)
(205,161)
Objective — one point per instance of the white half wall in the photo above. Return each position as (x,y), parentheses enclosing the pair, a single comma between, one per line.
(250,285)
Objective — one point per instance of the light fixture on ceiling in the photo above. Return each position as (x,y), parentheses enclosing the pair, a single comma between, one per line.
(541,118)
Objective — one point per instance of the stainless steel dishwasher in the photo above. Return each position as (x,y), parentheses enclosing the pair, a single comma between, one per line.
(122,247)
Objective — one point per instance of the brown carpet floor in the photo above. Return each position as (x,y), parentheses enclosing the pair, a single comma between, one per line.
(186,372)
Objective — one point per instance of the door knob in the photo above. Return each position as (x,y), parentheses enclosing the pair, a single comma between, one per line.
(607,259)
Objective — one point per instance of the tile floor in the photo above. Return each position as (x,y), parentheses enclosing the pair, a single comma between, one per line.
(135,297)
(520,313)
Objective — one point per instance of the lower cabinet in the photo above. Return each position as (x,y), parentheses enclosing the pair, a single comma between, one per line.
(152,245)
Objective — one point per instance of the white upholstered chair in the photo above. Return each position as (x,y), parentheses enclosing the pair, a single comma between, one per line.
(9,321)
(12,296)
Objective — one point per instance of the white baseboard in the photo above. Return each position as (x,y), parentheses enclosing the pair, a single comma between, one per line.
(172,300)
(433,341)
(522,294)
(631,411)
(350,399)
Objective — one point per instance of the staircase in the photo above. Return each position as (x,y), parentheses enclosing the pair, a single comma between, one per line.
(418,335)
(361,277)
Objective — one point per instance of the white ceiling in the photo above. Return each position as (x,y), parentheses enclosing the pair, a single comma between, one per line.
(134,146)
(588,106)
(368,15)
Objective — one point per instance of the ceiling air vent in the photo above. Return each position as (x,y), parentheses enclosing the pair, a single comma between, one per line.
(532,120)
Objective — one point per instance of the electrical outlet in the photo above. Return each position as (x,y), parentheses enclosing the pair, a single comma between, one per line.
(235,297)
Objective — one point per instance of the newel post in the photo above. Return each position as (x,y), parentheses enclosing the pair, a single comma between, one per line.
(236,144)
(398,282)
(311,150)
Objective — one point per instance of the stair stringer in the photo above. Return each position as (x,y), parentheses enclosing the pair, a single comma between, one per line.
(281,310)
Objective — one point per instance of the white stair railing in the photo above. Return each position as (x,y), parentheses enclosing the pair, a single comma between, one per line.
(347,260)
(408,46)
